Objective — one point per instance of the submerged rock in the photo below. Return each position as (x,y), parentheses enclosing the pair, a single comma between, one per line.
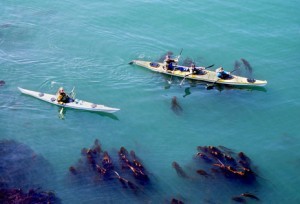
(17,195)
(21,167)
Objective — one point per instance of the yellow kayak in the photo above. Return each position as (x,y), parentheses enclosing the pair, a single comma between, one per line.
(208,76)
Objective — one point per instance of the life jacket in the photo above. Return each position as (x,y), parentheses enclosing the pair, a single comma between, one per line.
(170,66)
(169,63)
(65,98)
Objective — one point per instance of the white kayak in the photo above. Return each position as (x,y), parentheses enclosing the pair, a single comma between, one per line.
(209,76)
(77,104)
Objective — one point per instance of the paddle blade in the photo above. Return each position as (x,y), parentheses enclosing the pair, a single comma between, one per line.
(209,86)
(233,71)
(210,66)
(181,83)
(181,51)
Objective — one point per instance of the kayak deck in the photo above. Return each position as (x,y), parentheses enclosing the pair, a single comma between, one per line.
(209,76)
(77,104)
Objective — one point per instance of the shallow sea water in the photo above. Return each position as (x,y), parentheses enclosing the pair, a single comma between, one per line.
(88,45)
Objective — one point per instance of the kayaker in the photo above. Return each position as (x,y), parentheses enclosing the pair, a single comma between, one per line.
(196,70)
(222,74)
(62,97)
(169,63)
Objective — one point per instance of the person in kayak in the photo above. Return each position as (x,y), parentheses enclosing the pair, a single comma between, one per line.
(62,97)
(169,62)
(196,70)
(222,74)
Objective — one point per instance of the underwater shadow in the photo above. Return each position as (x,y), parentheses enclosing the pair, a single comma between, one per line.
(204,86)
(221,87)
(225,87)
(103,114)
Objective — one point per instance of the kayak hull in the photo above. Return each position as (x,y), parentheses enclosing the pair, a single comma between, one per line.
(209,76)
(77,104)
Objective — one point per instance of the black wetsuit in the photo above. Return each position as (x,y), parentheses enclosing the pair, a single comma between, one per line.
(198,71)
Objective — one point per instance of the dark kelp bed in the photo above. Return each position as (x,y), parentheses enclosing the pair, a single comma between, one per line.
(120,174)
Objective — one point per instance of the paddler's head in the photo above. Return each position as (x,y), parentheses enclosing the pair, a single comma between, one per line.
(61,90)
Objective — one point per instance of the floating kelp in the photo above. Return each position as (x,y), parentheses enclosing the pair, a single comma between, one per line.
(180,172)
(242,198)
(133,165)
(176,201)
(17,195)
(243,68)
(232,166)
(98,166)
(175,106)
(214,168)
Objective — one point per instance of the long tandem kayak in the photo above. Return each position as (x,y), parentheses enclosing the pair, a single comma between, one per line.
(77,104)
(208,76)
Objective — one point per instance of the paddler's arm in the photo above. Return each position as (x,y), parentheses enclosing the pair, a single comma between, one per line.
(59,99)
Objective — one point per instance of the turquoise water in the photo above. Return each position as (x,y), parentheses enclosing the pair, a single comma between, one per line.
(88,44)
